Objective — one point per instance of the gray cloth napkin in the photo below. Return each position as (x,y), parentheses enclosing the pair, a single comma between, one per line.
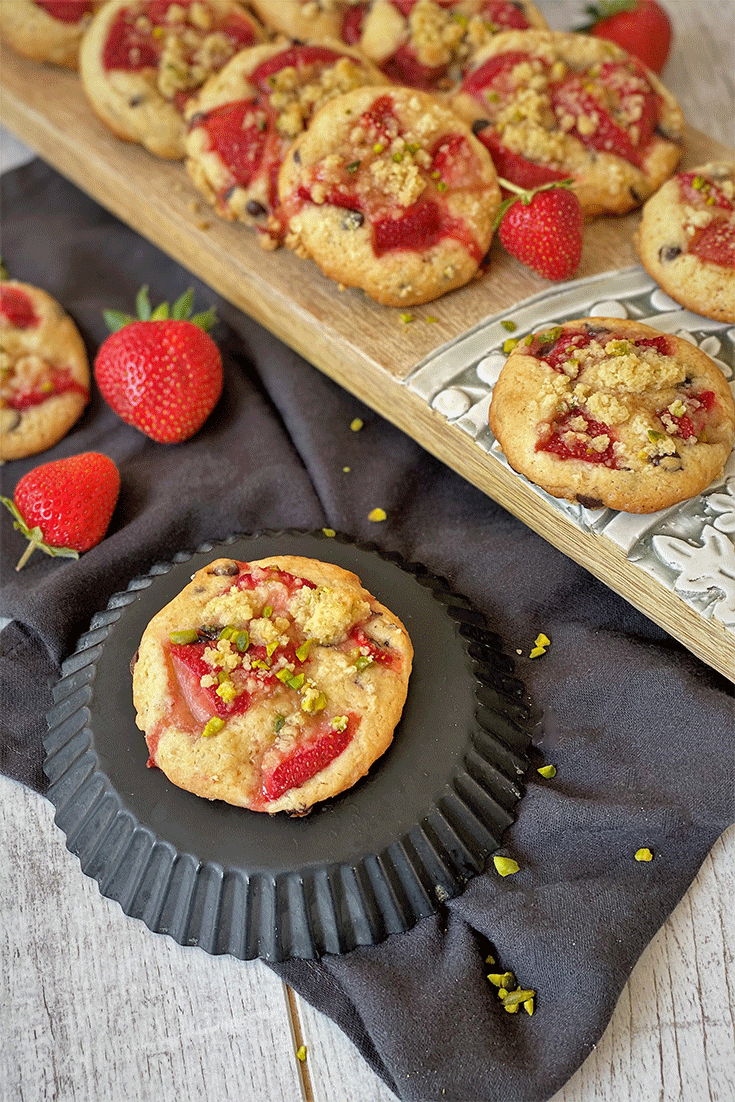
(642,734)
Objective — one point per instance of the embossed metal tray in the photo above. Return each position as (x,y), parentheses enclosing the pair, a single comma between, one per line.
(372,861)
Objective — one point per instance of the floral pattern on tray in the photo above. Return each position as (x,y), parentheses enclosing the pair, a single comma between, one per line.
(689,547)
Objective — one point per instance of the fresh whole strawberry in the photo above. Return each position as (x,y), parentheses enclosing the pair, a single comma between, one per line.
(160,372)
(641,27)
(543,228)
(65,507)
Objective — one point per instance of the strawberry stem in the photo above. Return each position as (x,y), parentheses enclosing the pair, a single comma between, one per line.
(30,548)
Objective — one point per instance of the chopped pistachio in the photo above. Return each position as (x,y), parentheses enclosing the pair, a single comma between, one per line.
(226,632)
(302,652)
(180,638)
(270,648)
(356,424)
(346,470)
(431,318)
(377,514)
(406,319)
(242,641)
(547,770)
(644,855)
(528,1006)
(278,722)
(260,664)
(353,166)
(489,959)
(330,532)
(284,675)
(226,691)
(378,147)
(509,325)
(502,979)
(506,866)
(301,1053)
(542,640)
(339,723)
(362,662)
(516,998)
(510,344)
(267,612)
(397,157)
(537,652)
(512,1009)
(313,701)
(213,726)
(441,186)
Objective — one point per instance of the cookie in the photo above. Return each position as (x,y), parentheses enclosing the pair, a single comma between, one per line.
(686,239)
(303,20)
(244,120)
(44,371)
(46,30)
(387,190)
(427,44)
(551,105)
(141,61)
(613,413)
(271,685)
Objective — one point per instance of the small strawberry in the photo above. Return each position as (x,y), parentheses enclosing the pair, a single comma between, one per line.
(543,228)
(641,27)
(65,507)
(160,372)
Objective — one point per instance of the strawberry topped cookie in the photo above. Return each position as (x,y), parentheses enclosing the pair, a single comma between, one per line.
(428,43)
(44,371)
(686,239)
(141,61)
(245,119)
(272,684)
(389,191)
(613,413)
(47,30)
(550,106)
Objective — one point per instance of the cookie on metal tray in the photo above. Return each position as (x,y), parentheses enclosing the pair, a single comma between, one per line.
(141,61)
(271,685)
(551,105)
(44,371)
(387,190)
(613,413)
(686,239)
(46,30)
(428,43)
(245,118)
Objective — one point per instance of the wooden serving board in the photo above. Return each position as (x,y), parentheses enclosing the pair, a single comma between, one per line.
(367,348)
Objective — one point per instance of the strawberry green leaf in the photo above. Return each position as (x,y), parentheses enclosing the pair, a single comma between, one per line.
(604,9)
(159,314)
(143,304)
(183,306)
(3,271)
(205,320)
(35,537)
(116,319)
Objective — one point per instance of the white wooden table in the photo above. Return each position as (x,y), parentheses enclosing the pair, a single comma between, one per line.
(94,1007)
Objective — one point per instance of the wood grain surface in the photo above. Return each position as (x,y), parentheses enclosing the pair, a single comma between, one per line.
(365,347)
(93,1007)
